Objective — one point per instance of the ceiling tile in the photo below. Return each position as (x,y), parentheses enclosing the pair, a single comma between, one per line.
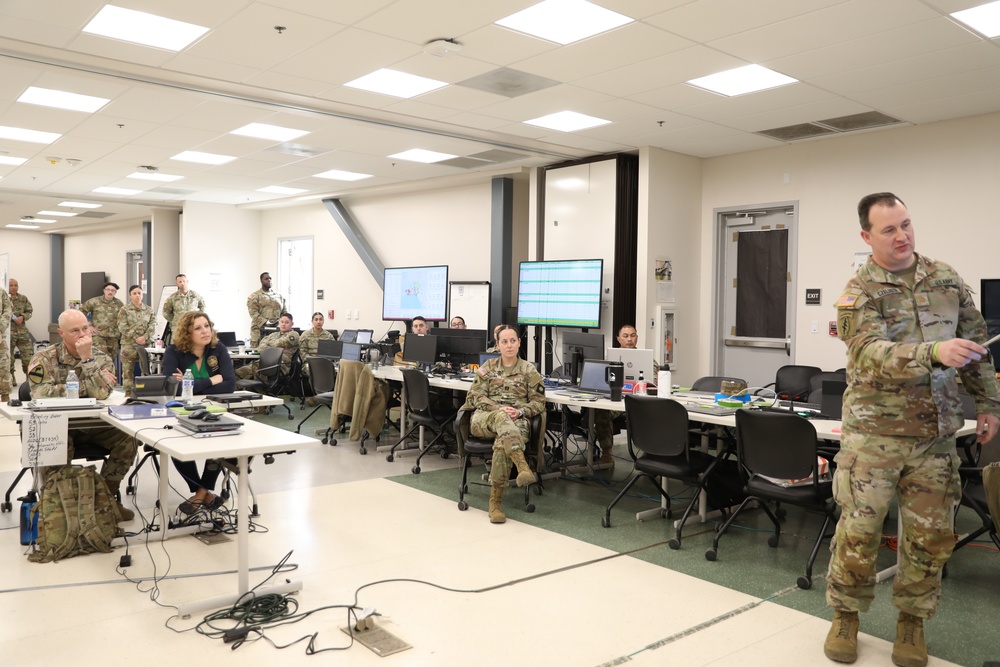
(709,20)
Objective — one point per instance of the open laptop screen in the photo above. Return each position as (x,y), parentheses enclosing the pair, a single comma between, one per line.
(364,336)
(329,348)
(349,336)
(592,377)
(351,352)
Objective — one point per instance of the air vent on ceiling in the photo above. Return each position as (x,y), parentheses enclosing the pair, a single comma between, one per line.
(498,156)
(171,191)
(795,132)
(97,215)
(298,150)
(508,82)
(853,123)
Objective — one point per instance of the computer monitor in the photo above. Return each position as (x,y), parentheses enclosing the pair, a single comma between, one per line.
(350,352)
(332,349)
(228,338)
(458,350)
(364,336)
(577,346)
(410,291)
(486,356)
(420,349)
(349,336)
(562,293)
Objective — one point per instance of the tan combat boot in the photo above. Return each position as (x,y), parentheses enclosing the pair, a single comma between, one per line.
(496,503)
(524,474)
(909,649)
(607,456)
(842,640)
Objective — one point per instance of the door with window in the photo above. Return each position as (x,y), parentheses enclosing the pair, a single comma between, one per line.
(755,292)
(295,278)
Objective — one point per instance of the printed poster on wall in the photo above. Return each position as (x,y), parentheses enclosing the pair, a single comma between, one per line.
(663,273)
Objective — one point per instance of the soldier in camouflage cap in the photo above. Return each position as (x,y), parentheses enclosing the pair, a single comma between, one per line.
(264,307)
(136,322)
(182,301)
(285,338)
(19,337)
(6,368)
(910,326)
(505,394)
(47,377)
(103,313)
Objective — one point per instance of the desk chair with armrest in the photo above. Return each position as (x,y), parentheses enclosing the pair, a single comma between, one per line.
(269,378)
(792,383)
(973,472)
(780,446)
(660,449)
(323,376)
(469,447)
(424,414)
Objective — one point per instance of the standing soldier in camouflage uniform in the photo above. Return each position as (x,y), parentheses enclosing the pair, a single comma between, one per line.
(136,322)
(264,307)
(103,313)
(47,377)
(285,338)
(910,326)
(19,337)
(181,301)
(506,394)
(6,365)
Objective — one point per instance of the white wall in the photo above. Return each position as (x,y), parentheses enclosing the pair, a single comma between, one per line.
(29,253)
(101,250)
(220,247)
(947,173)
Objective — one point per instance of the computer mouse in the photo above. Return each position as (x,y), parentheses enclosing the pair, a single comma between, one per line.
(174,404)
(199,414)
(14,402)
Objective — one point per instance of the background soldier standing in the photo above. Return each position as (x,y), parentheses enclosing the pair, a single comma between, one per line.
(20,339)
(265,307)
(181,301)
(6,370)
(136,322)
(103,313)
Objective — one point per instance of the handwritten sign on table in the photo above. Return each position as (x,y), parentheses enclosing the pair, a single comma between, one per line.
(44,439)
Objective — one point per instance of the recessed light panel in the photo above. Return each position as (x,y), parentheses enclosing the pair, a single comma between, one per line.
(58,214)
(129,25)
(397,84)
(154,176)
(32,220)
(203,158)
(984,19)
(15,161)
(265,131)
(31,136)
(281,190)
(339,175)
(60,99)
(13,226)
(421,155)
(742,80)
(564,21)
(79,204)
(115,191)
(567,121)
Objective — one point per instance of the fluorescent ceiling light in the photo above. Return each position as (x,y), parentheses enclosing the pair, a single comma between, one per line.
(60,99)
(265,131)
(129,25)
(564,21)
(567,121)
(58,214)
(12,226)
(397,84)
(154,176)
(31,136)
(280,190)
(16,161)
(32,220)
(340,175)
(746,79)
(115,191)
(421,155)
(984,19)
(79,204)
(203,158)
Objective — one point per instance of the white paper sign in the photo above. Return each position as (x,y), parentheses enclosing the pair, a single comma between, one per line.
(44,439)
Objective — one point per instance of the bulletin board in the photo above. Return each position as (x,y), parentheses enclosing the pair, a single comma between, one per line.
(470,301)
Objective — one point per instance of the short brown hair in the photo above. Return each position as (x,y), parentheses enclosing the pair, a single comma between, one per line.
(182,337)
(877,199)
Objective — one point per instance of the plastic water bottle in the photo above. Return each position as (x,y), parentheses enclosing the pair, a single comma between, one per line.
(29,524)
(641,386)
(663,382)
(187,388)
(72,385)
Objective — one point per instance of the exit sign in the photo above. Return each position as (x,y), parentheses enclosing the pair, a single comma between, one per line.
(812,296)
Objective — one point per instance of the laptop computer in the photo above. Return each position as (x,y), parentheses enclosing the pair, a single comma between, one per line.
(634,360)
(349,336)
(333,349)
(228,338)
(593,381)
(223,423)
(351,351)
(832,398)
(364,336)
(156,388)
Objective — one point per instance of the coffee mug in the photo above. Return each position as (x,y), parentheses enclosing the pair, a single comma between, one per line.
(614,375)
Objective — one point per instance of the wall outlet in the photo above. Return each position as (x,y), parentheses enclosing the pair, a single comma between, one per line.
(357,314)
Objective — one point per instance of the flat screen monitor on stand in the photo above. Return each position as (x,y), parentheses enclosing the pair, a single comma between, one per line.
(577,346)
(421,350)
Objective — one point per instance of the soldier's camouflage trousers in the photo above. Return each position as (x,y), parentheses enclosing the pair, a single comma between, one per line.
(20,342)
(508,435)
(870,470)
(6,370)
(108,344)
(121,451)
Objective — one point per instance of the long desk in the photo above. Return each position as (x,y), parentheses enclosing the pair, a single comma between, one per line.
(256,438)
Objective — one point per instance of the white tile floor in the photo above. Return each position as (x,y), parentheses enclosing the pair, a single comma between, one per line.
(348,527)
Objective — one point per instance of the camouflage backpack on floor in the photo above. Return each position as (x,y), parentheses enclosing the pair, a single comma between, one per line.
(76,514)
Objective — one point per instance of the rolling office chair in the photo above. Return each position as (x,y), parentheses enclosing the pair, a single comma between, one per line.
(660,448)
(269,378)
(973,474)
(358,397)
(424,414)
(816,384)
(792,383)
(780,446)
(469,447)
(323,377)
(143,357)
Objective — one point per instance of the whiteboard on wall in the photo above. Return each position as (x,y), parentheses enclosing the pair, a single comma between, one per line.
(471,302)
(161,321)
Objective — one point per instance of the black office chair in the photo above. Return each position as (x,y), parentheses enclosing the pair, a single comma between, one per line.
(710,383)
(424,414)
(792,383)
(470,447)
(972,473)
(269,378)
(323,376)
(659,446)
(780,446)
